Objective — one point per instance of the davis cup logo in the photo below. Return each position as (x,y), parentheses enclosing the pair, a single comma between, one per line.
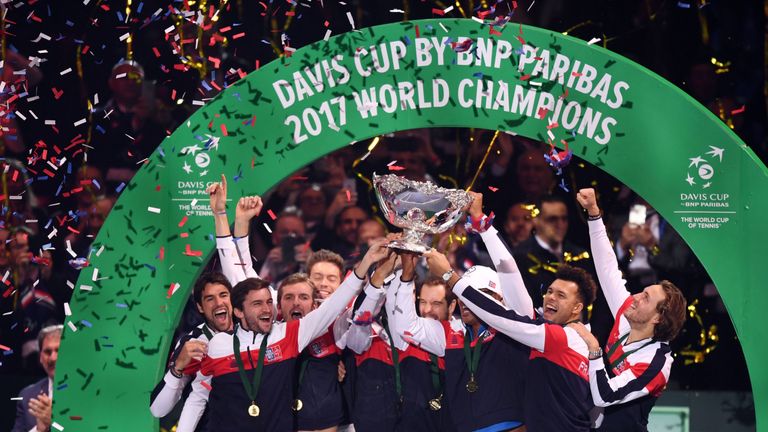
(701,170)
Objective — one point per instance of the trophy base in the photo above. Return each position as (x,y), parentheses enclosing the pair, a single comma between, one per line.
(405,246)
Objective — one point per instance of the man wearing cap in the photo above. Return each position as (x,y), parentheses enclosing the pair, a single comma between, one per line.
(476,356)
(556,396)
(33,411)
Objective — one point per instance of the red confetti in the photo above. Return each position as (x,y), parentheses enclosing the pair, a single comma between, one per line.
(395,168)
(739,110)
(417,31)
(224,129)
(542,112)
(156,51)
(436,11)
(162,253)
(271,214)
(57,93)
(183,221)
(349,195)
(206,385)
(189,252)
(525,77)
(493,189)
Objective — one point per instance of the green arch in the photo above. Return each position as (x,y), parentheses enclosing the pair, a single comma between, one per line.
(155,239)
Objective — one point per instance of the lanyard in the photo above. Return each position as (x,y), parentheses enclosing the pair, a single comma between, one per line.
(395,358)
(251,390)
(434,369)
(615,346)
(472,355)
(207,332)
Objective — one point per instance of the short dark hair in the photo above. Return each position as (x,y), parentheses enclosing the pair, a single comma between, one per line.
(582,279)
(209,278)
(671,311)
(324,255)
(241,290)
(435,280)
(296,278)
(48,331)
(549,199)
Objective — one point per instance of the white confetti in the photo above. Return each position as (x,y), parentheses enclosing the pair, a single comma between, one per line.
(65,71)
(85,288)
(593,41)
(351,20)
(67,310)
(153,210)
(74,329)
(79,122)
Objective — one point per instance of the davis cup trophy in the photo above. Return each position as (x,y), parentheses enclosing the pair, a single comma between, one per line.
(419,208)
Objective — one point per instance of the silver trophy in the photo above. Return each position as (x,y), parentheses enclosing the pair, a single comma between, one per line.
(419,208)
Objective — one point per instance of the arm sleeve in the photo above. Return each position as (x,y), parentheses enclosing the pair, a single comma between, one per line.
(359,335)
(607,267)
(513,289)
(426,333)
(520,328)
(167,394)
(390,304)
(318,321)
(235,256)
(195,404)
(640,380)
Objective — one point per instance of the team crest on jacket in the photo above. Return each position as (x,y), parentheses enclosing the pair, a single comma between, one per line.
(273,354)
(318,348)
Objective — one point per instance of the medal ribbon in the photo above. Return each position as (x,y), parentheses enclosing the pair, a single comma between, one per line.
(207,332)
(472,355)
(434,369)
(251,390)
(615,346)
(395,358)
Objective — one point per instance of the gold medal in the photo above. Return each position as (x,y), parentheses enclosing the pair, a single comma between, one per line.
(253,410)
(436,403)
(472,385)
(297,405)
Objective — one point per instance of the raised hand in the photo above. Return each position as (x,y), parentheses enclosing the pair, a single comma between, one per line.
(218,195)
(588,200)
(437,262)
(476,207)
(248,207)
(193,349)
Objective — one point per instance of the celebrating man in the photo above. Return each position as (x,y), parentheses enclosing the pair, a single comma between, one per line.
(638,354)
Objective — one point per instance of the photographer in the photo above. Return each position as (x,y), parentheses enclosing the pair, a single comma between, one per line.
(290,249)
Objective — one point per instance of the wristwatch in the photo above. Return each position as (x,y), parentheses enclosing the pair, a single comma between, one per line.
(594,355)
(447,275)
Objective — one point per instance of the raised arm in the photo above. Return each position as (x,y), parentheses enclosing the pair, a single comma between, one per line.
(317,321)
(358,337)
(607,267)
(513,289)
(640,380)
(521,328)
(217,192)
(426,333)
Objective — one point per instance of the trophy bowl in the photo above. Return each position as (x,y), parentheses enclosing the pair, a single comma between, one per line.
(419,208)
